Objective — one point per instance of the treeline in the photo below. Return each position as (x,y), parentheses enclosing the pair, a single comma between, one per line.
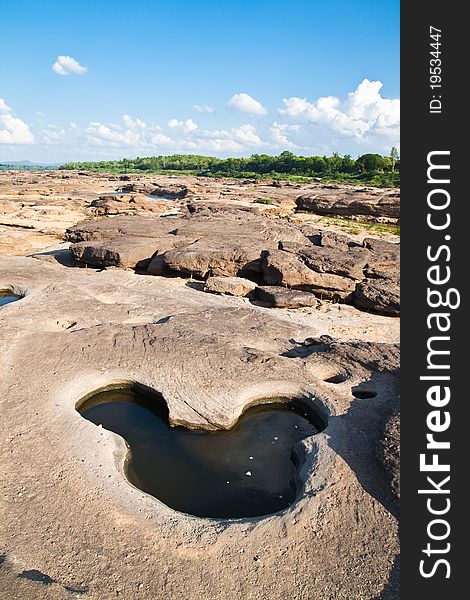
(368,168)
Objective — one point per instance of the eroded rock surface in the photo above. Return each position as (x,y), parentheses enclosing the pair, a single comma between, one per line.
(116,204)
(74,331)
(232,286)
(77,330)
(284,298)
(37,207)
(229,242)
(368,203)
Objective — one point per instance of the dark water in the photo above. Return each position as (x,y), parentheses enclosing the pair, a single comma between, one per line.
(244,472)
(7,297)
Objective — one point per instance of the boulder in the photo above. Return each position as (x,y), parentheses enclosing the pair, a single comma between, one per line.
(379,295)
(213,257)
(171,191)
(283,268)
(114,204)
(282,298)
(134,253)
(348,262)
(228,242)
(332,239)
(230,286)
(366,203)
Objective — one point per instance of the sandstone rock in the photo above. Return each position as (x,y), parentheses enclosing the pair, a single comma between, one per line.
(137,226)
(174,191)
(283,268)
(382,246)
(167,190)
(118,252)
(77,331)
(216,241)
(348,262)
(379,295)
(204,259)
(126,204)
(282,298)
(363,203)
(231,286)
(332,239)
(384,259)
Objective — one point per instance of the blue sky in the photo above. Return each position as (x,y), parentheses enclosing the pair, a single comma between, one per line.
(209,77)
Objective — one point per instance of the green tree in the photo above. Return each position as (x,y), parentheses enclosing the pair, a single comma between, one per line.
(371,162)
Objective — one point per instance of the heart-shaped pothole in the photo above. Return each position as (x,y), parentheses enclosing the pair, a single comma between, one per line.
(247,471)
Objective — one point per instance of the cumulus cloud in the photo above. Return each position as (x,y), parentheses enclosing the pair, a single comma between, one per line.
(362,121)
(186,126)
(280,132)
(364,116)
(132,133)
(12,129)
(203,108)
(52,134)
(247,134)
(246,103)
(181,136)
(66,65)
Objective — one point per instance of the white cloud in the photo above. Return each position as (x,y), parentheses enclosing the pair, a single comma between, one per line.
(132,123)
(134,133)
(186,126)
(53,134)
(246,103)
(279,134)
(66,65)
(204,108)
(247,134)
(12,129)
(362,121)
(159,138)
(365,116)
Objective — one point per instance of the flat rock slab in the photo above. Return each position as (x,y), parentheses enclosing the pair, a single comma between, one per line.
(231,286)
(282,298)
(78,330)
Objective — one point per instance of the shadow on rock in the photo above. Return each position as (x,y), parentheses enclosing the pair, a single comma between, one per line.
(357,437)
(63,256)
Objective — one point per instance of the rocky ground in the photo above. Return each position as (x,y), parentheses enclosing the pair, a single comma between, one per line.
(217,302)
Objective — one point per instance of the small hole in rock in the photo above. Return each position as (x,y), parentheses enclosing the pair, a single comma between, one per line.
(337,378)
(364,394)
(247,471)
